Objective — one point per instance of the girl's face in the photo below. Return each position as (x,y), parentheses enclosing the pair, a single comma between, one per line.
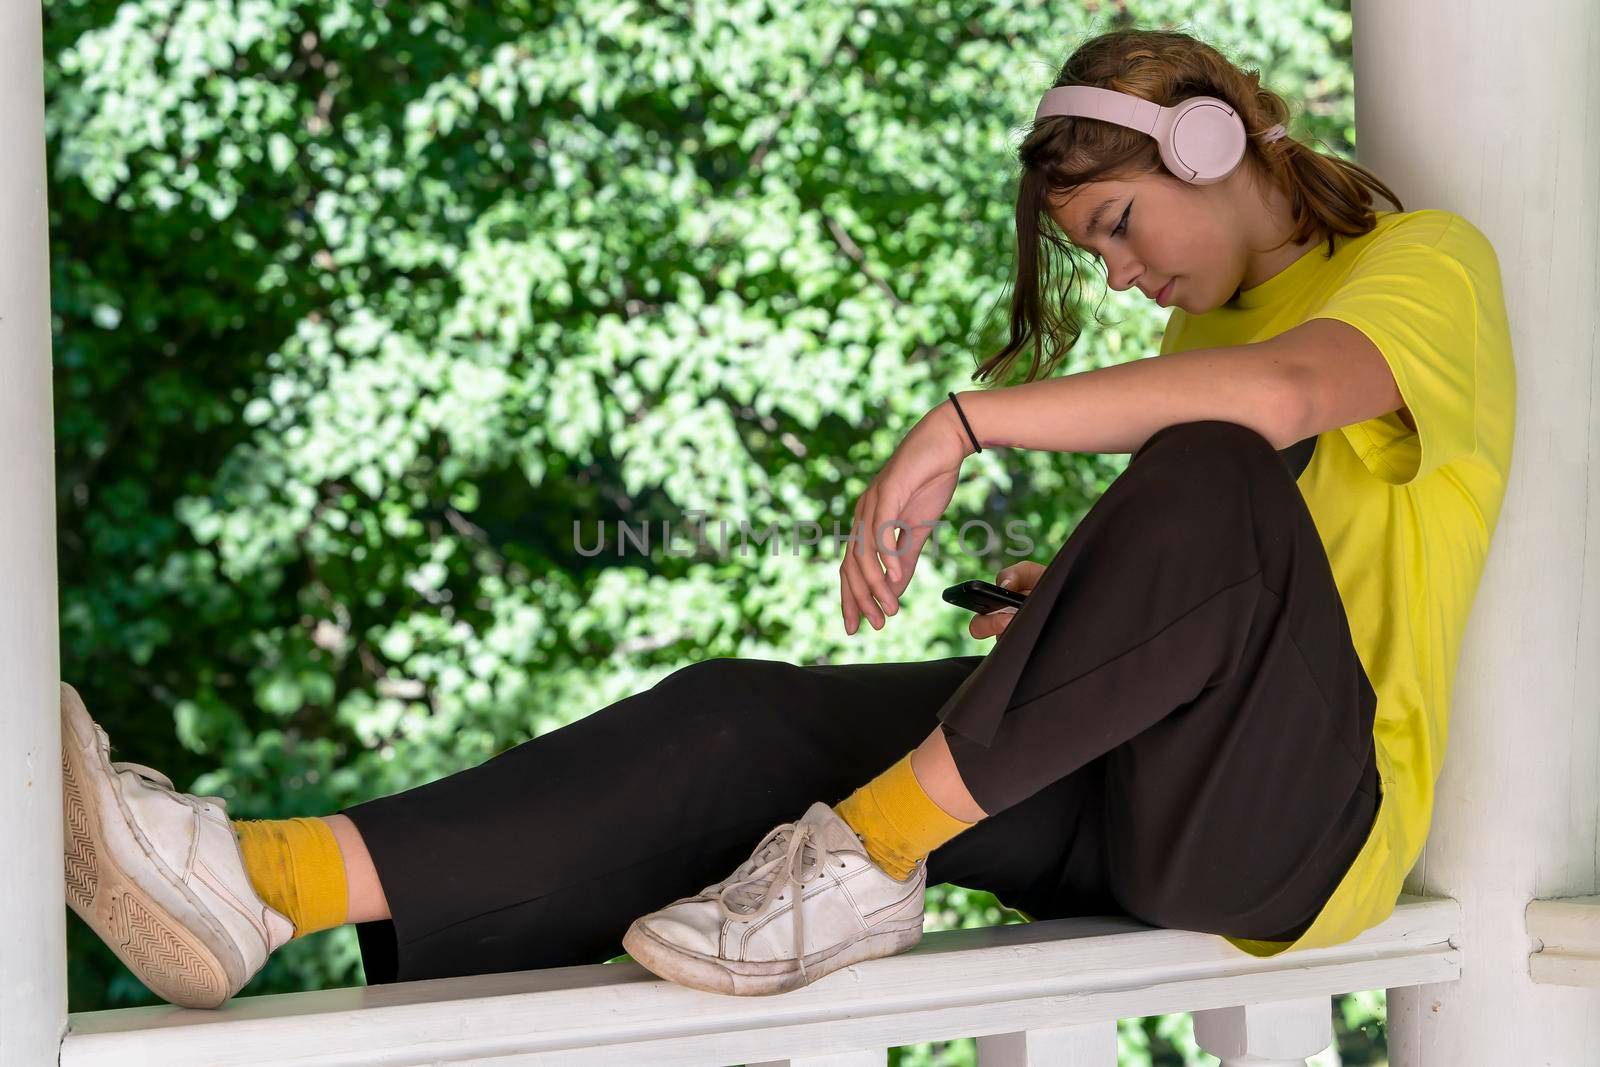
(1155,229)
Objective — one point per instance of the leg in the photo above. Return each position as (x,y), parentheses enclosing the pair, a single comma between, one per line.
(1172,637)
(157,874)
(542,856)
(1045,856)
(646,800)
(1190,633)
(367,902)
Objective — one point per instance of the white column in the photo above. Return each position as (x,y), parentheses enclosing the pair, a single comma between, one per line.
(1493,111)
(1266,1034)
(866,1058)
(1083,1045)
(33,977)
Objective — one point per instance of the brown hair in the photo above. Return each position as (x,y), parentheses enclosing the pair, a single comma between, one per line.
(1329,195)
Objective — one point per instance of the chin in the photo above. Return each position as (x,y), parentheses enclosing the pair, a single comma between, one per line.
(1202,304)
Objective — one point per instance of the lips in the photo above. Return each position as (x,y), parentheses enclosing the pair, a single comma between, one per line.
(1164,293)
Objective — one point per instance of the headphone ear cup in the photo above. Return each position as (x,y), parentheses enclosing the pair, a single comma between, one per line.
(1205,143)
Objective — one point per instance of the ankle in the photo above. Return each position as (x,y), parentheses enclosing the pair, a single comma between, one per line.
(367,902)
(296,867)
(896,819)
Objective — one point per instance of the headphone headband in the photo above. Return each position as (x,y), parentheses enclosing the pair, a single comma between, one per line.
(1202,139)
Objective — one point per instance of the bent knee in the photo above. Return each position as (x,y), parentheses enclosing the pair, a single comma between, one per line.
(735,671)
(1203,441)
(732,685)
(1208,460)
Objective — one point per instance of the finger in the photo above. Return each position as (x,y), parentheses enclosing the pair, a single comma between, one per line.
(849,599)
(897,541)
(1021,576)
(867,568)
(852,601)
(860,596)
(873,564)
(989,625)
(847,603)
(905,541)
(910,552)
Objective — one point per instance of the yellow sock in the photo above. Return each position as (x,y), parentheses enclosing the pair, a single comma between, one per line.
(296,866)
(898,820)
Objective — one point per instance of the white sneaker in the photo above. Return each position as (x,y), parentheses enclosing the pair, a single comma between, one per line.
(746,936)
(158,874)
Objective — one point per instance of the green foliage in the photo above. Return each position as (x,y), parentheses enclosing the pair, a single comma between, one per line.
(369,314)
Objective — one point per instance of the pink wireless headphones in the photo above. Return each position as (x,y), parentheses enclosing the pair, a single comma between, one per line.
(1201,138)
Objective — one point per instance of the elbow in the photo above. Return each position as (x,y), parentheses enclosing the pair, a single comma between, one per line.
(1287,411)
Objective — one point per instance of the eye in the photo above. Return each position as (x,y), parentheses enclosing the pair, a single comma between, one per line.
(1122,225)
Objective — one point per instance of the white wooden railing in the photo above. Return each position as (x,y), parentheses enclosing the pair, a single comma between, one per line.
(1033,994)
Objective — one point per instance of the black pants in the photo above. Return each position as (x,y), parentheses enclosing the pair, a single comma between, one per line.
(1175,727)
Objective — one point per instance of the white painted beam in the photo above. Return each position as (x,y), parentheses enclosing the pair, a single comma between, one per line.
(1061,973)
(33,952)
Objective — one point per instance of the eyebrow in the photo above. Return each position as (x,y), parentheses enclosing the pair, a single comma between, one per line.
(1094,219)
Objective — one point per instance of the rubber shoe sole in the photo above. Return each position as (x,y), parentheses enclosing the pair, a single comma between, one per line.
(760,978)
(151,927)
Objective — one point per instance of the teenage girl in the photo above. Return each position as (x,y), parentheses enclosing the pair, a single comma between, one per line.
(1222,706)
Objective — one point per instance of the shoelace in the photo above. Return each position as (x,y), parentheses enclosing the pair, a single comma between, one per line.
(155,777)
(736,898)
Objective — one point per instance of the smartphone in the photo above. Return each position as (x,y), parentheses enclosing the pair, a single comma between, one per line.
(984,597)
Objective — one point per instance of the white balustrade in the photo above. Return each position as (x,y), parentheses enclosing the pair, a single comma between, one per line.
(1032,994)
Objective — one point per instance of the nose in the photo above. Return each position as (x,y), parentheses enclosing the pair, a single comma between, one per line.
(1123,278)
(1121,275)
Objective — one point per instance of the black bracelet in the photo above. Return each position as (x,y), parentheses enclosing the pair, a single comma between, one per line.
(964,421)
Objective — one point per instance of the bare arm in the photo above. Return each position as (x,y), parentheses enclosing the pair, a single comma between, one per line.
(1116,409)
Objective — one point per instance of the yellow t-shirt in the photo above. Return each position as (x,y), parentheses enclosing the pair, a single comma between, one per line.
(1405,515)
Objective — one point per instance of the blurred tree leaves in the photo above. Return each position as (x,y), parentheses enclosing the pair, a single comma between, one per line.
(370,316)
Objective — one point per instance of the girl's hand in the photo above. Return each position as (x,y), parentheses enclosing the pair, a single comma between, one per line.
(1021,577)
(904,498)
